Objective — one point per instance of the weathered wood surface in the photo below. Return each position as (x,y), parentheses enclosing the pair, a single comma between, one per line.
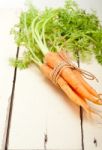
(42,116)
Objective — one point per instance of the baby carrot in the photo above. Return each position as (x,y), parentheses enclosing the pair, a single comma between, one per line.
(87,86)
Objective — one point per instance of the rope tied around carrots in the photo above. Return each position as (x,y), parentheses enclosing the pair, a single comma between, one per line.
(67,63)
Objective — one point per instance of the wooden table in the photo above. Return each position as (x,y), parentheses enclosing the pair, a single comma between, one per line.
(42,116)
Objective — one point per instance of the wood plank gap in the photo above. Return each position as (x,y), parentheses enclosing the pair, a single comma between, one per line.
(9,110)
(82,131)
(81,110)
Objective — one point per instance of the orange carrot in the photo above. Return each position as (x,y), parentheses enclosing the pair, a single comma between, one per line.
(52,59)
(65,56)
(66,89)
(87,86)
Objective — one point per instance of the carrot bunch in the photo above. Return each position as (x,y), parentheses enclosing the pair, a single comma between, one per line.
(71,82)
(44,35)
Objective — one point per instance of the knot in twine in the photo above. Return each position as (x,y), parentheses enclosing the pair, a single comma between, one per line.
(67,63)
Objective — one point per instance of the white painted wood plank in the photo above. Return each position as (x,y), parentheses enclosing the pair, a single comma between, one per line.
(27,126)
(93,129)
(7,50)
(39,106)
(63,124)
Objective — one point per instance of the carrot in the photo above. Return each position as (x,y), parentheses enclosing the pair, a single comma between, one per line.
(87,86)
(52,59)
(65,56)
(66,89)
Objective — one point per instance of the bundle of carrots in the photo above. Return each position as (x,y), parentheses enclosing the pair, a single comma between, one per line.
(70,81)
(35,35)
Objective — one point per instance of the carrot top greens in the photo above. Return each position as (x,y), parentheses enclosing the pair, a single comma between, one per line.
(69,28)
